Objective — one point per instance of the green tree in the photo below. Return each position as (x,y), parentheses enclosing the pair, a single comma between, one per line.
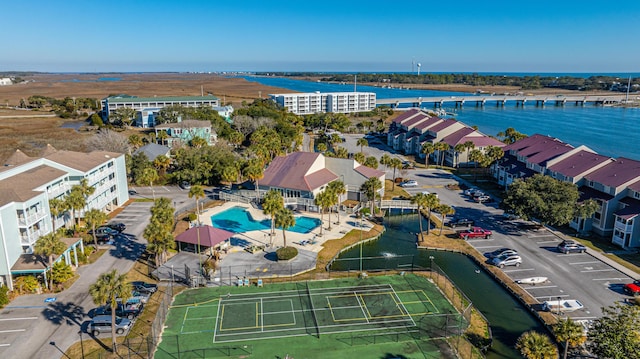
(196,192)
(477,157)
(135,141)
(542,197)
(394,163)
(427,148)
(48,246)
(322,200)
(107,290)
(162,162)
(94,219)
(615,334)
(272,203)
(371,162)
(442,148)
(75,201)
(534,345)
(362,142)
(385,160)
(370,188)
(61,272)
(341,152)
(420,200)
(254,171)
(122,117)
(149,175)
(336,189)
(57,207)
(229,174)
(160,240)
(444,210)
(321,147)
(570,333)
(284,219)
(359,157)
(459,148)
(510,135)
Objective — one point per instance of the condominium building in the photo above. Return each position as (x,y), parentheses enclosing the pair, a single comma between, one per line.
(321,102)
(27,184)
(150,105)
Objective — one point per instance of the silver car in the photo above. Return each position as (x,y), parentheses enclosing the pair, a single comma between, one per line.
(506,260)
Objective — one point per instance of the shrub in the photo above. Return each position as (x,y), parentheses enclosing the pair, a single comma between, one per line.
(26,284)
(4,296)
(286,253)
(192,217)
(61,272)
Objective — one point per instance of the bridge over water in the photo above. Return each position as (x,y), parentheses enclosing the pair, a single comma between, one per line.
(502,100)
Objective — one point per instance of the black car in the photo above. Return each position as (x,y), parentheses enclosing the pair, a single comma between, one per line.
(129,310)
(118,226)
(144,287)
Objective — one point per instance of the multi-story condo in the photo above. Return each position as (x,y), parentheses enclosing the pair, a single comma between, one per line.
(147,107)
(182,132)
(27,184)
(320,102)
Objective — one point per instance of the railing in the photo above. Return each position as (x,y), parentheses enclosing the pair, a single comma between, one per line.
(233,197)
(57,190)
(623,227)
(395,203)
(32,218)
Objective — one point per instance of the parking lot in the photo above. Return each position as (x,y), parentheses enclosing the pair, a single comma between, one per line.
(579,276)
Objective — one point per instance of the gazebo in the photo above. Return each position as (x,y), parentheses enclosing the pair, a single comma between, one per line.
(202,236)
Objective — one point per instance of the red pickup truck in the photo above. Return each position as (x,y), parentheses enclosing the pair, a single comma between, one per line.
(632,288)
(475,232)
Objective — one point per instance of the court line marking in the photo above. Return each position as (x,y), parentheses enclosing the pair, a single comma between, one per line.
(261,314)
(215,329)
(410,317)
(365,314)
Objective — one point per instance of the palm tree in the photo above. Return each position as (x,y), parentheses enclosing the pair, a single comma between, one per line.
(85,190)
(359,157)
(110,287)
(362,142)
(420,200)
(534,345)
(285,220)
(160,240)
(162,136)
(442,147)
(337,189)
(569,332)
(476,156)
(385,160)
(370,188)
(229,174)
(321,147)
(57,206)
(459,148)
(584,210)
(427,148)
(75,201)
(395,163)
(340,152)
(48,246)
(444,210)
(371,162)
(135,141)
(321,201)
(271,205)
(149,175)
(196,192)
(95,218)
(162,162)
(469,145)
(254,171)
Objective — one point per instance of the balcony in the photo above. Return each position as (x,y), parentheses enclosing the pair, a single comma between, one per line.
(58,190)
(622,227)
(31,218)
(30,237)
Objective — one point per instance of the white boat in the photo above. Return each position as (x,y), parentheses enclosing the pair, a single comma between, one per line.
(564,305)
(532,280)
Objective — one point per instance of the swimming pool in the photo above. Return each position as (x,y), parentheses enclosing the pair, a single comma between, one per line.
(238,220)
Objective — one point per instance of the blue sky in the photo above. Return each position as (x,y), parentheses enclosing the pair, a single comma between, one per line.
(242,35)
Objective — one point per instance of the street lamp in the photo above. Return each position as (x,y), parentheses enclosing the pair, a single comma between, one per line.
(81,343)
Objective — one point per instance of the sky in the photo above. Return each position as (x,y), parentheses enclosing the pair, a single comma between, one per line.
(327,35)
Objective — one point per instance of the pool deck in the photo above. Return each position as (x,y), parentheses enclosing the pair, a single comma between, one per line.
(313,239)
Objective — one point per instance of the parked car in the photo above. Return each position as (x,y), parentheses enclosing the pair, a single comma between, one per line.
(117,226)
(509,216)
(569,246)
(501,252)
(632,288)
(132,192)
(138,297)
(102,324)
(506,260)
(460,222)
(409,183)
(475,232)
(483,199)
(470,191)
(104,230)
(127,310)
(426,193)
(142,287)
(185,185)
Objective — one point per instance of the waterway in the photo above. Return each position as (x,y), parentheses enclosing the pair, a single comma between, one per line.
(508,318)
(610,131)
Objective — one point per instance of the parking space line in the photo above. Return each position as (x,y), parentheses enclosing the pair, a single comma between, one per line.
(539,287)
(539,236)
(4,345)
(518,270)
(625,279)
(598,270)
(12,331)
(541,242)
(583,318)
(485,247)
(553,296)
(591,262)
(26,318)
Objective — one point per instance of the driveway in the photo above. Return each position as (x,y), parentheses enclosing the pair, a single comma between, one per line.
(44,326)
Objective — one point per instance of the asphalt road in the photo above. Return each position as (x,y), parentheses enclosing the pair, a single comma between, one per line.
(571,276)
(29,324)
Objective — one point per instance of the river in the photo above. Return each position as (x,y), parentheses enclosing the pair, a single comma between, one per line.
(607,130)
(508,318)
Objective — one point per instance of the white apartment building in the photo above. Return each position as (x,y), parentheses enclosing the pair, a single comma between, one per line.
(112,103)
(28,183)
(320,102)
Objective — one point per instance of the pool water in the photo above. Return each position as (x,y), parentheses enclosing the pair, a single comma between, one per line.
(239,220)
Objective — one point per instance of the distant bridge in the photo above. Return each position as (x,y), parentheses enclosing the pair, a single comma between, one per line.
(502,100)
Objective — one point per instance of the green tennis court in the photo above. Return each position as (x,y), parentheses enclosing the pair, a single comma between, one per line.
(309,311)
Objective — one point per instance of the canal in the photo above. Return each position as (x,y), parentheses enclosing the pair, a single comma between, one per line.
(507,317)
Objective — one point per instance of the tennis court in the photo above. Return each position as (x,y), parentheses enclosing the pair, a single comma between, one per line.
(249,315)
